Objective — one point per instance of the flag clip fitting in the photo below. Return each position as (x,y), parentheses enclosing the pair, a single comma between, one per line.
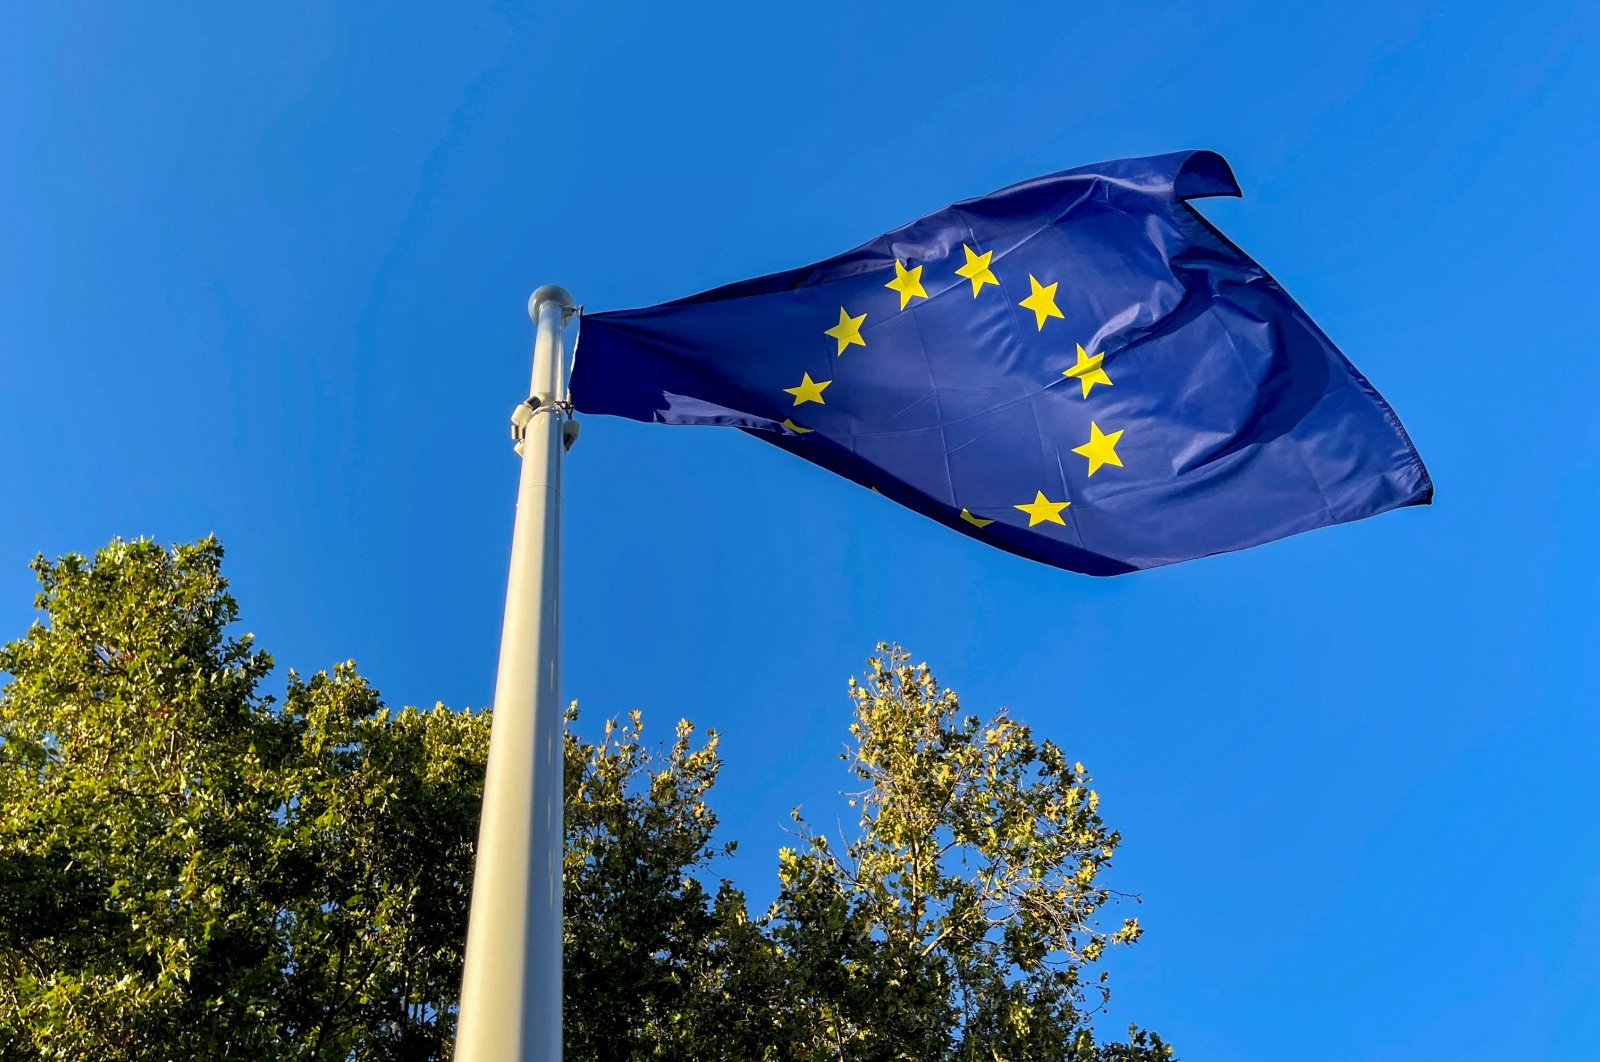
(531,407)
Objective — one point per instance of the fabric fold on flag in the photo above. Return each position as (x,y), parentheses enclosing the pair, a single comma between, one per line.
(1079,369)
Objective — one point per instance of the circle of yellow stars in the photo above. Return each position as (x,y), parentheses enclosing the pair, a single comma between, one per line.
(1088,369)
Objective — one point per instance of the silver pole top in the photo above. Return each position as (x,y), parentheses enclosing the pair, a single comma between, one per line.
(550,293)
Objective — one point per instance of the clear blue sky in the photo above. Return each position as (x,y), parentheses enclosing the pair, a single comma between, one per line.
(262,273)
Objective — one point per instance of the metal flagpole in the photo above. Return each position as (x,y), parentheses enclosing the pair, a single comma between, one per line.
(511,987)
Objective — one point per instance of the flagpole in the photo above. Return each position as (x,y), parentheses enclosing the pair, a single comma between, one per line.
(511,986)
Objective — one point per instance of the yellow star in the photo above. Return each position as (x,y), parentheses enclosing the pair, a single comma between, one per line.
(907,282)
(1101,449)
(977,269)
(1088,370)
(975,521)
(808,390)
(847,331)
(797,429)
(1043,511)
(1042,302)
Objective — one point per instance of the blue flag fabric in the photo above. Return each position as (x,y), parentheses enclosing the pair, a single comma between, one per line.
(1078,369)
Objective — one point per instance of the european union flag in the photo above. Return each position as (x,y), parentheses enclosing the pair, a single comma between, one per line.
(1079,369)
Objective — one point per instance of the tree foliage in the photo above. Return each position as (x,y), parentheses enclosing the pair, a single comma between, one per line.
(975,874)
(957,923)
(191,868)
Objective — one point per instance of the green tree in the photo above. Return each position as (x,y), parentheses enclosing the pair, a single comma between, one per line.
(190,868)
(656,964)
(960,921)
